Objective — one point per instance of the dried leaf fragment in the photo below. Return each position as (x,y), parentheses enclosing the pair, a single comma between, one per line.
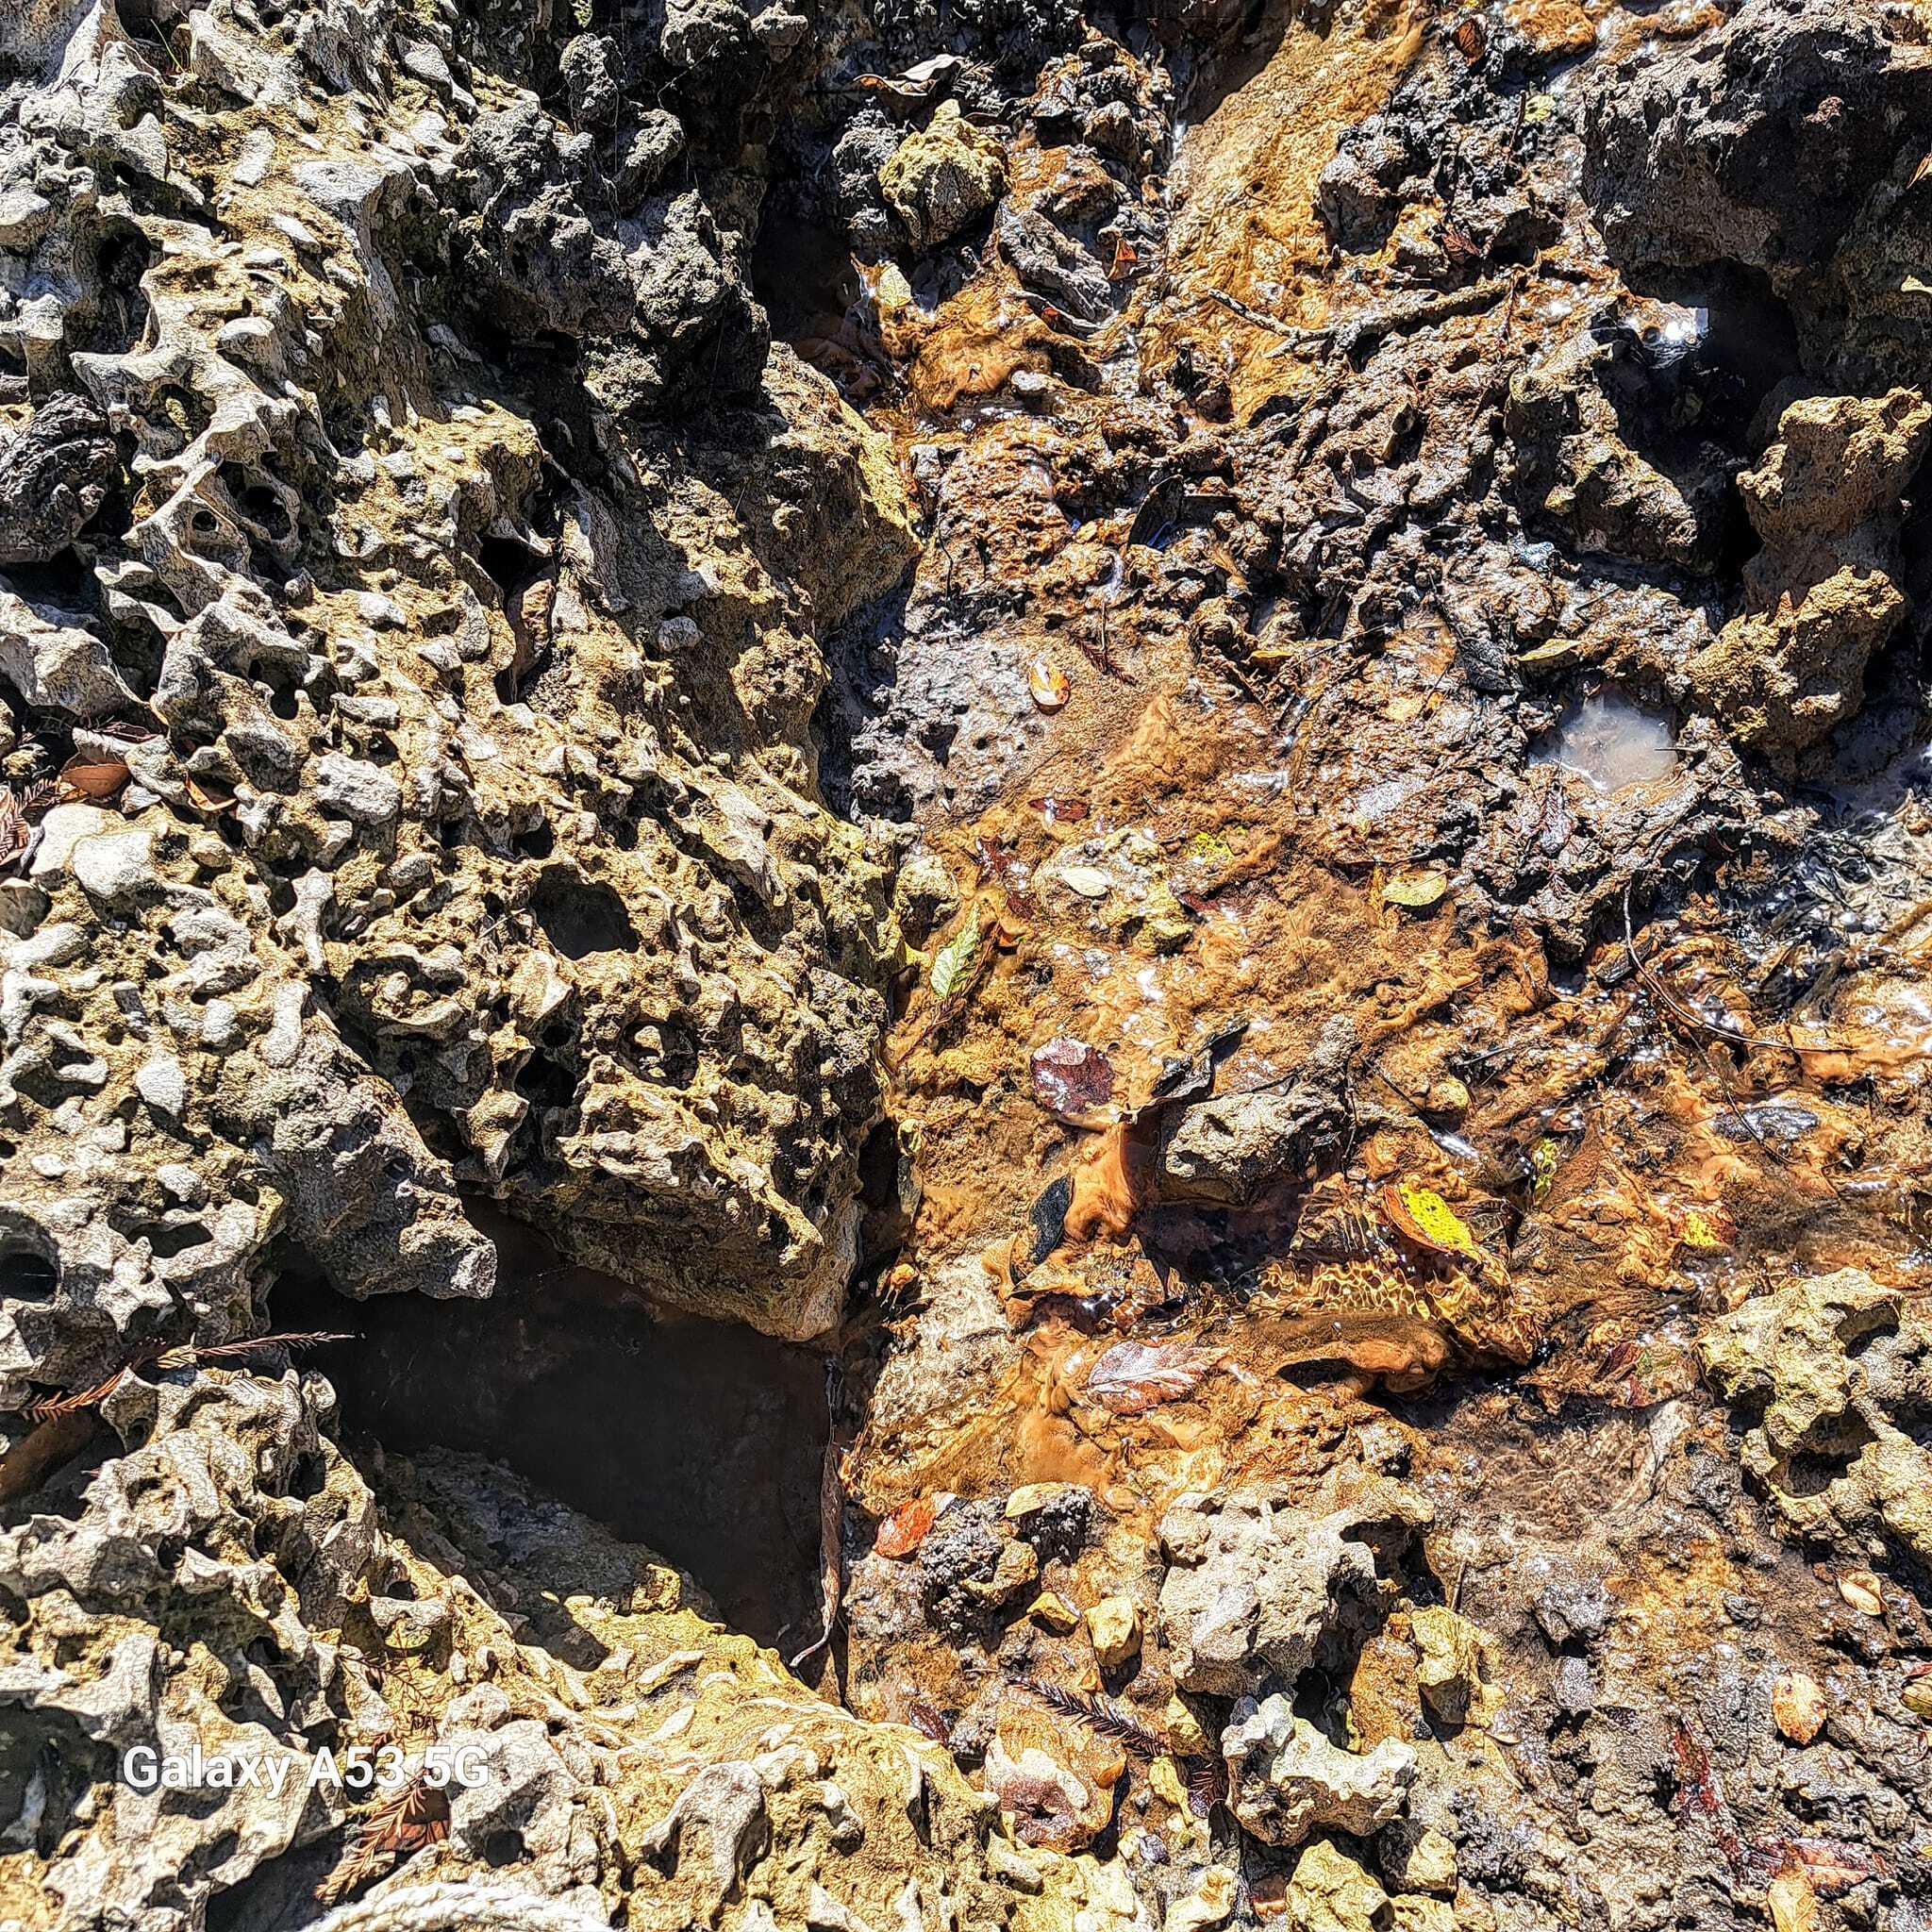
(1206,1784)
(1707,1230)
(1797,1707)
(903,1531)
(98,779)
(831,1550)
(1416,892)
(927,1722)
(1059,812)
(1828,1866)
(1133,1376)
(1100,1715)
(1861,1589)
(1070,1077)
(416,1816)
(1048,684)
(1087,880)
(206,797)
(1793,1903)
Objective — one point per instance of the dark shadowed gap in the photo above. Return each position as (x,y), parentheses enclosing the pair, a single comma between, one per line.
(702,1441)
(801,268)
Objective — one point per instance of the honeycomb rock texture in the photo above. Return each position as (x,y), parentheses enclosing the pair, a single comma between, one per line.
(396,474)
(237,1584)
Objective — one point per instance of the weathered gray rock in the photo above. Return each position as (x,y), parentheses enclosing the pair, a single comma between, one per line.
(1286,1779)
(1829,1369)
(1770,146)
(1228,1149)
(52,477)
(54,662)
(643,985)
(1256,1581)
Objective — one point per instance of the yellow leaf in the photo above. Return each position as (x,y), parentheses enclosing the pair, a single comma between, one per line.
(1705,1230)
(1559,651)
(1427,1220)
(1416,892)
(1544,1158)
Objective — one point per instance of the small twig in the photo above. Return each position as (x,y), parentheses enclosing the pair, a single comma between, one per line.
(1274,323)
(1670,1000)
(831,1524)
(1731,1034)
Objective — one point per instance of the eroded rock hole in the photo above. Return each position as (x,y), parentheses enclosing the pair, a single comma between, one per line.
(121,303)
(801,270)
(579,917)
(701,1441)
(26,1272)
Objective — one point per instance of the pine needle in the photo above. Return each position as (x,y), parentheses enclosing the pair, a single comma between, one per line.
(51,1405)
(1100,1715)
(416,1816)
(243,1350)
(187,1355)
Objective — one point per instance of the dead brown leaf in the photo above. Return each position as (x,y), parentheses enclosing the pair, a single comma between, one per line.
(98,779)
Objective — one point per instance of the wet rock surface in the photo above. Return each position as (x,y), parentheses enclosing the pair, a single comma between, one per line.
(1195,743)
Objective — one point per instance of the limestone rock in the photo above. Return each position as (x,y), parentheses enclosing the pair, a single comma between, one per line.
(1409,1913)
(1428,1862)
(1330,1892)
(1255,1582)
(1454,1668)
(1825,1368)
(54,662)
(1114,1625)
(1209,1904)
(408,657)
(943,177)
(1286,1779)
(1823,597)
(1053,1781)
(1052,1611)
(1569,415)
(610,1712)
